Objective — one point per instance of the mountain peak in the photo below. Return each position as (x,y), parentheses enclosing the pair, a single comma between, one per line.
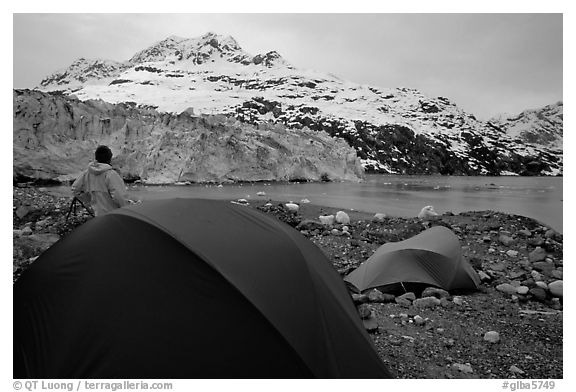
(81,70)
(542,126)
(196,50)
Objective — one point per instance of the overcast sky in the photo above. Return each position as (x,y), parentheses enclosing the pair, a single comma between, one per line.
(486,63)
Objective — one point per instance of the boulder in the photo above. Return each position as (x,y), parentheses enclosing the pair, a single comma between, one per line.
(435,292)
(408,296)
(556,288)
(556,304)
(506,288)
(537,241)
(538,254)
(41,224)
(515,369)
(525,263)
(552,234)
(525,232)
(379,217)
(537,276)
(541,284)
(464,368)
(512,253)
(426,302)
(370,324)
(403,302)
(506,240)
(492,337)
(365,311)
(445,303)
(516,274)
(500,266)
(484,276)
(342,218)
(522,290)
(557,274)
(376,295)
(23,210)
(309,224)
(327,220)
(292,207)
(538,293)
(359,298)
(544,267)
(427,213)
(418,320)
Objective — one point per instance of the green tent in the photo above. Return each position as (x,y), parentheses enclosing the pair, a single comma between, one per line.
(187,288)
(433,258)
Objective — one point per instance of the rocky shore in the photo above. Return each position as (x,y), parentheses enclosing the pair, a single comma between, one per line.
(511,328)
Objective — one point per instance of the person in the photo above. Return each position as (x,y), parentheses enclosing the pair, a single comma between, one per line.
(100,185)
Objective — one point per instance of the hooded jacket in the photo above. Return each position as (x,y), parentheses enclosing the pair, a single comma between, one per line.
(103,186)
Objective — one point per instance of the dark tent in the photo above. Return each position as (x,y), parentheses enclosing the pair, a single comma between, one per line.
(187,288)
(433,257)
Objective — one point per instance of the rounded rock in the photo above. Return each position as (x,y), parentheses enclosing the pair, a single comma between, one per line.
(515,369)
(541,285)
(506,288)
(379,217)
(506,240)
(426,302)
(538,293)
(327,220)
(538,254)
(492,337)
(556,288)
(435,292)
(342,217)
(522,290)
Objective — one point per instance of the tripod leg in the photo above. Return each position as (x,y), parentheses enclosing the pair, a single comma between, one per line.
(72,208)
(86,208)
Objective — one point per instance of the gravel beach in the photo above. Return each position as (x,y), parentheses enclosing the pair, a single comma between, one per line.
(511,328)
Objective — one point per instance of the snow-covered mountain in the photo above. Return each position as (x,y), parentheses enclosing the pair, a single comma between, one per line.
(394,130)
(541,126)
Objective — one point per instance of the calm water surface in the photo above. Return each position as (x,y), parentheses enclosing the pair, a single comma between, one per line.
(536,197)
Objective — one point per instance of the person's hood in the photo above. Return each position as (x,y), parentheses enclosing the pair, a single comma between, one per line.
(98,168)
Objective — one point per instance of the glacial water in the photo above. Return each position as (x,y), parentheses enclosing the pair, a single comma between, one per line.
(540,198)
(536,197)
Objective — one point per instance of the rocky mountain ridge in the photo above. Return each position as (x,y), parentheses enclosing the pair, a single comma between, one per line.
(541,126)
(393,130)
(55,137)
